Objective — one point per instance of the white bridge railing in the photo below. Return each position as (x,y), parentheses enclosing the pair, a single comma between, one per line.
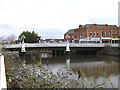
(60,45)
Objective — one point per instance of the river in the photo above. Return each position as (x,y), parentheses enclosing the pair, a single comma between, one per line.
(90,64)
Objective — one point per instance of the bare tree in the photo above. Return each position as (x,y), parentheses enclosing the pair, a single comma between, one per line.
(11,38)
(1,45)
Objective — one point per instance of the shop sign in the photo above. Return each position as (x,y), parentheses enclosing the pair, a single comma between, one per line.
(94,39)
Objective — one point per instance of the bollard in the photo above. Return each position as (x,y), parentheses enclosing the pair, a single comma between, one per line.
(2,73)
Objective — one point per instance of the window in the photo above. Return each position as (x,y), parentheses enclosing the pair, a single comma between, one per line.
(72,36)
(67,36)
(97,34)
(90,34)
(102,34)
(115,34)
(83,34)
(109,34)
(80,34)
(106,34)
(94,34)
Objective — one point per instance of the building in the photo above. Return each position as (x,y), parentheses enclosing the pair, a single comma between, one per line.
(93,33)
(52,41)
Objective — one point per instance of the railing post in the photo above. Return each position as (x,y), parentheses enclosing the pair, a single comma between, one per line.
(2,73)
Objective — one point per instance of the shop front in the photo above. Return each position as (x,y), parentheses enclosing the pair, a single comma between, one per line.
(90,40)
(106,39)
(115,40)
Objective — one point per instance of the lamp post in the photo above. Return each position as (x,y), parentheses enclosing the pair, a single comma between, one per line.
(23,51)
(22,38)
(67,46)
(39,39)
(23,44)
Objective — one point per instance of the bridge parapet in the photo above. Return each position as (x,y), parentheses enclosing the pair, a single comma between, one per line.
(12,46)
(60,45)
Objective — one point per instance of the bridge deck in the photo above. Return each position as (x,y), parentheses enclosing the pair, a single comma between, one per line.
(60,45)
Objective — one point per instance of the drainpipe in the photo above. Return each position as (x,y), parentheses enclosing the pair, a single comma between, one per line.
(87,32)
(111,36)
(101,37)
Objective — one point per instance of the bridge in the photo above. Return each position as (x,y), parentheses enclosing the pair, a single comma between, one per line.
(59,45)
(58,48)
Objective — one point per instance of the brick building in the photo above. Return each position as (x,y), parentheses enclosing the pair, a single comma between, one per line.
(93,33)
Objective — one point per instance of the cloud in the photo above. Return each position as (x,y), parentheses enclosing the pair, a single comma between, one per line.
(45,32)
(7,29)
(51,17)
(119,13)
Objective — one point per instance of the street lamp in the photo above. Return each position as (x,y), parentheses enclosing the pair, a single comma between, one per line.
(67,46)
(23,44)
(39,39)
(22,38)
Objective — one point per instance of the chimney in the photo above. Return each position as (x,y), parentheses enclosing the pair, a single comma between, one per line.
(80,26)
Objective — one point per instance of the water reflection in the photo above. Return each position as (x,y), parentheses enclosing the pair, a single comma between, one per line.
(91,65)
(68,62)
(46,55)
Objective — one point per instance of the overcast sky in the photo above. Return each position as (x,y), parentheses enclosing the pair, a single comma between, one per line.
(52,18)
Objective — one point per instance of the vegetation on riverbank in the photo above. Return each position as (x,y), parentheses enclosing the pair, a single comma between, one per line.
(20,75)
(110,51)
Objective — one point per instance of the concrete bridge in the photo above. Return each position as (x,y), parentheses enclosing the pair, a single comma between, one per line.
(59,45)
(23,47)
